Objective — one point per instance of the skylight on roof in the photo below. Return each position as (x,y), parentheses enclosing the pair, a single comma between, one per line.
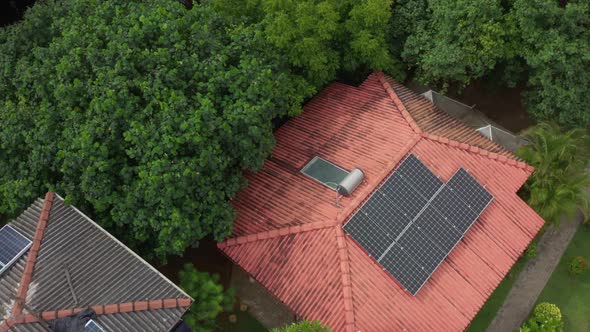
(324,172)
(12,245)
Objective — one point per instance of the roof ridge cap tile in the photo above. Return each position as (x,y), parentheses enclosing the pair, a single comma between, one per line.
(480,151)
(6,324)
(107,309)
(27,276)
(398,103)
(273,233)
(349,319)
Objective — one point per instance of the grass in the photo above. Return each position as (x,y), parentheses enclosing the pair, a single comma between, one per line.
(571,293)
(245,323)
(489,310)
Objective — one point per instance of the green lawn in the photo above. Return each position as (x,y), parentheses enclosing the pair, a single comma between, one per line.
(572,293)
(487,313)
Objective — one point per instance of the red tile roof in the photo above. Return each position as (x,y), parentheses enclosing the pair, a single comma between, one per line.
(288,232)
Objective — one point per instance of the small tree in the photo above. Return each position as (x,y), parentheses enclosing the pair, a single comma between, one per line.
(546,318)
(303,326)
(210,298)
(558,185)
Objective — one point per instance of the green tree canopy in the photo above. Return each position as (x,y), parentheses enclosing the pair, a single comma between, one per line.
(322,37)
(450,41)
(209,298)
(554,40)
(142,113)
(558,185)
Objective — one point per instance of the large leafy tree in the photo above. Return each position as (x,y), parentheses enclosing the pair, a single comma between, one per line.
(142,113)
(560,182)
(554,40)
(450,41)
(322,37)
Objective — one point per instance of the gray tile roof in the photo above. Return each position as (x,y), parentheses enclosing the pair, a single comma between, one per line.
(103,272)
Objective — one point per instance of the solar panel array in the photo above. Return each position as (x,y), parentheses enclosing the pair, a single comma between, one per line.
(91,326)
(413,220)
(12,246)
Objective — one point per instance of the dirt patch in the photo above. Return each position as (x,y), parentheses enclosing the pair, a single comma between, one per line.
(500,104)
(261,304)
(205,258)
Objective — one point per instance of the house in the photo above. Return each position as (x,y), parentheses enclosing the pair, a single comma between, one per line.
(476,120)
(290,233)
(69,271)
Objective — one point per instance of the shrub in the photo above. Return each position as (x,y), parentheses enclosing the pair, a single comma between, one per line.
(303,326)
(210,298)
(531,251)
(546,318)
(578,265)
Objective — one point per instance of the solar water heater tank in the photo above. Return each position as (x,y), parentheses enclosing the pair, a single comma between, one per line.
(350,182)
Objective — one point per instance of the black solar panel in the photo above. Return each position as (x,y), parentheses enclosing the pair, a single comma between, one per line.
(468,189)
(404,269)
(91,326)
(454,209)
(413,221)
(381,211)
(419,176)
(402,195)
(12,246)
(368,234)
(434,225)
(421,248)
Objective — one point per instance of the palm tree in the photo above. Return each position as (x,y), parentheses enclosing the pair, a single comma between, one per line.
(559,185)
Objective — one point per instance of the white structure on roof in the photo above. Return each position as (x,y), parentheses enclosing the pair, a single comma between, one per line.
(476,120)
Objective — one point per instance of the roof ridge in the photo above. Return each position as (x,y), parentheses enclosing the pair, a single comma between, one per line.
(23,288)
(108,309)
(270,234)
(346,279)
(482,152)
(398,103)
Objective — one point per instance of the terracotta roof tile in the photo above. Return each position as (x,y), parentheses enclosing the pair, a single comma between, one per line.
(300,252)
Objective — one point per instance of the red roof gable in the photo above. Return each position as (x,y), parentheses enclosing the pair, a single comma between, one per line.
(288,234)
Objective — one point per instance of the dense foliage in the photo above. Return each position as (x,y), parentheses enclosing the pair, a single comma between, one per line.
(142,113)
(558,185)
(554,40)
(303,326)
(322,37)
(546,317)
(452,40)
(545,43)
(209,298)
(145,114)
